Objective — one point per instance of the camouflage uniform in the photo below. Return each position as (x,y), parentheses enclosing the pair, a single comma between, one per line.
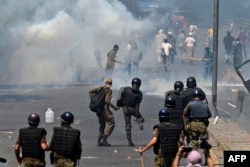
(161,159)
(105,116)
(196,116)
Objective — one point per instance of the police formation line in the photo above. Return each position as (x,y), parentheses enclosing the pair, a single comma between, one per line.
(182,128)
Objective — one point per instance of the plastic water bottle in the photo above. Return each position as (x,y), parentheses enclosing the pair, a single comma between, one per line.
(49,116)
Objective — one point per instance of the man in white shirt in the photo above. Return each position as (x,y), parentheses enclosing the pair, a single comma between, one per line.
(166,46)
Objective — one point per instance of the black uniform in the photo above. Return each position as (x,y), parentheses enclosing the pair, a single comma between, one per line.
(130,100)
(30,140)
(66,145)
(179,97)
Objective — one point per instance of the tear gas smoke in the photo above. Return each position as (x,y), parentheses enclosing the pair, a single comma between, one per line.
(47,41)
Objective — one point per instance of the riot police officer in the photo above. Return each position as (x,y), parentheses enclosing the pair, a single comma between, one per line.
(178,95)
(165,141)
(196,115)
(32,141)
(191,85)
(175,114)
(130,99)
(66,143)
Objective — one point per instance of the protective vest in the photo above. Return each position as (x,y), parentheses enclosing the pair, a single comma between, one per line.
(131,97)
(168,138)
(65,141)
(198,109)
(176,117)
(189,94)
(31,142)
(179,99)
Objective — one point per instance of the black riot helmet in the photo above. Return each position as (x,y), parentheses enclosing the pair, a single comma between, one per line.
(178,86)
(67,117)
(197,93)
(34,119)
(191,82)
(163,115)
(136,83)
(170,101)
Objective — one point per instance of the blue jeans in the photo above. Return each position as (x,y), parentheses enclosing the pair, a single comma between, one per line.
(228,53)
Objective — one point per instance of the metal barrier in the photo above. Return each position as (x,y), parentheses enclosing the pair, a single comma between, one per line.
(242,116)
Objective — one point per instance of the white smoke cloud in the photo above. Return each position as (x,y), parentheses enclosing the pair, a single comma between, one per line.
(43,33)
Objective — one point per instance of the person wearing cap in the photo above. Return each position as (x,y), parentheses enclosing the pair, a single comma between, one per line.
(32,141)
(105,116)
(165,141)
(159,39)
(65,144)
(194,158)
(190,45)
(208,59)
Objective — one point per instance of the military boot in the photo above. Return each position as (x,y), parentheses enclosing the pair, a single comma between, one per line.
(130,143)
(99,142)
(140,123)
(105,142)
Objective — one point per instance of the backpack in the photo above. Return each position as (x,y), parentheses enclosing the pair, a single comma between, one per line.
(97,101)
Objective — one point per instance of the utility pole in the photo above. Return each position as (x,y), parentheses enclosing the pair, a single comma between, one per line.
(215,58)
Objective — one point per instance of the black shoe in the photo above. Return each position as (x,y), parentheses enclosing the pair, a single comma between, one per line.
(105,143)
(130,143)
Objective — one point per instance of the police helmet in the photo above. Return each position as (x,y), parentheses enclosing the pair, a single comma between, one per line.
(67,117)
(170,101)
(178,86)
(34,119)
(191,82)
(197,92)
(163,115)
(136,83)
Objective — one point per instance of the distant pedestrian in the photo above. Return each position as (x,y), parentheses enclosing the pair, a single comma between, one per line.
(190,46)
(31,144)
(130,99)
(166,49)
(111,56)
(136,58)
(65,144)
(208,59)
(105,115)
(165,140)
(159,39)
(237,53)
(172,41)
(228,42)
(181,44)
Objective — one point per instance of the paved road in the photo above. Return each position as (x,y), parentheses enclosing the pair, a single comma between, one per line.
(17,102)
